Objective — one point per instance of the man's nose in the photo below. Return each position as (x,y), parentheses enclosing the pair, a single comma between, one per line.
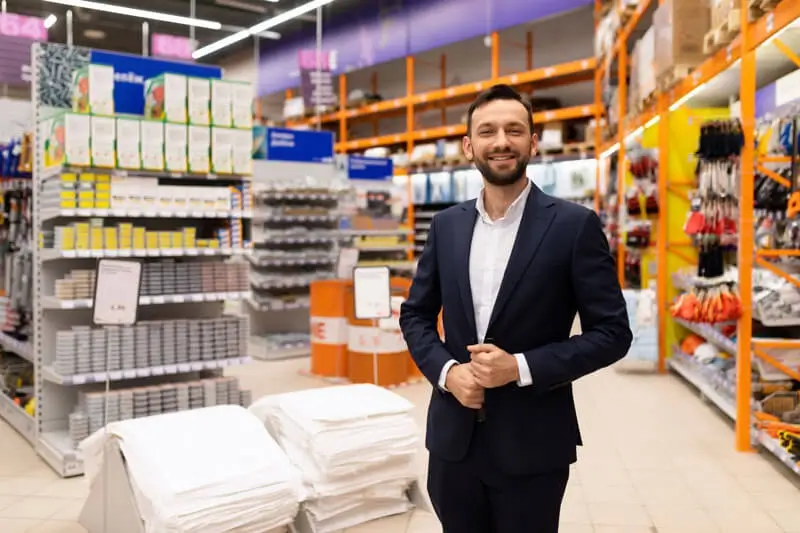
(501,140)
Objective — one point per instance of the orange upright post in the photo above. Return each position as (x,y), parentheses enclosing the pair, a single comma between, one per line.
(329,327)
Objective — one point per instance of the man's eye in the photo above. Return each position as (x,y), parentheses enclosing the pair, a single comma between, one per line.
(486,132)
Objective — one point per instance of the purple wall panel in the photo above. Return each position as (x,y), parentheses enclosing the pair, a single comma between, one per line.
(765,100)
(15,52)
(391,29)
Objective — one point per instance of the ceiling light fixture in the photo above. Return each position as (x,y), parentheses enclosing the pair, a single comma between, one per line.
(262,26)
(50,21)
(139,13)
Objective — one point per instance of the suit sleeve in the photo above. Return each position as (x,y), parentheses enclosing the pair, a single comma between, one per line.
(606,335)
(419,314)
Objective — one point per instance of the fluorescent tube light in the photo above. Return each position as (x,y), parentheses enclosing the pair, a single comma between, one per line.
(50,21)
(139,13)
(262,26)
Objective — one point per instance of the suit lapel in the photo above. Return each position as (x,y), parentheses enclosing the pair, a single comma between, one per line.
(536,221)
(462,243)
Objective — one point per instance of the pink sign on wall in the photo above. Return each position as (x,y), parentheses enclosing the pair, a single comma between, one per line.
(13,25)
(172,46)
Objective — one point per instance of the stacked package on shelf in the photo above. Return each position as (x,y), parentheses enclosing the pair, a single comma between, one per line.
(214,469)
(355,445)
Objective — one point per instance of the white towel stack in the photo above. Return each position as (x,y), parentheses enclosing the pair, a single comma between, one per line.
(355,445)
(210,470)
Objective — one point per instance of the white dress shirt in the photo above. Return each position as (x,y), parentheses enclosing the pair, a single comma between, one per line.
(492,243)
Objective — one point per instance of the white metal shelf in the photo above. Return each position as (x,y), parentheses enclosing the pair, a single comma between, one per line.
(51,214)
(18,418)
(56,171)
(139,373)
(51,302)
(50,254)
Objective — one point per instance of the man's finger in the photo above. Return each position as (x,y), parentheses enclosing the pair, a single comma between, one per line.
(480,358)
(476,348)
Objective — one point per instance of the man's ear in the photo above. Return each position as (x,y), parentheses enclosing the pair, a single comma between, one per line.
(534,144)
(466,146)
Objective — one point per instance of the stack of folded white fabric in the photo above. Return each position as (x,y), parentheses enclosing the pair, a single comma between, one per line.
(355,445)
(210,470)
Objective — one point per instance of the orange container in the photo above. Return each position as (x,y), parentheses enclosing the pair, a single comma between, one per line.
(329,329)
(376,352)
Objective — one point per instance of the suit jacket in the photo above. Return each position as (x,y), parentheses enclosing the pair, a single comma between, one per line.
(560,265)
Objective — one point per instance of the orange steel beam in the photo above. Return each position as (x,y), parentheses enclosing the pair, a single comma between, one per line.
(761,354)
(495,55)
(662,277)
(747,88)
(777,253)
(774,176)
(678,253)
(785,344)
(683,195)
(343,119)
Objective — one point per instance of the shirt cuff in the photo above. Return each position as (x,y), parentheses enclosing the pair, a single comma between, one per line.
(443,376)
(525,378)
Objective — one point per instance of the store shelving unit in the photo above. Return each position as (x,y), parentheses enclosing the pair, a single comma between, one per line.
(416,101)
(192,264)
(766,48)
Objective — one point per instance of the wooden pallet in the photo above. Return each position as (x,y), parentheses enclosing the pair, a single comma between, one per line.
(676,73)
(724,34)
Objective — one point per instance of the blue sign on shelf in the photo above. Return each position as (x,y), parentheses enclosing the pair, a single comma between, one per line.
(369,168)
(299,146)
(131,71)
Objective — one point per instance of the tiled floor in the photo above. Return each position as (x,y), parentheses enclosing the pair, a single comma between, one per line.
(656,460)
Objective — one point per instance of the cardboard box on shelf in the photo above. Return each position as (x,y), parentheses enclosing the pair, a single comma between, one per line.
(68,140)
(93,90)
(720,10)
(680,27)
(165,98)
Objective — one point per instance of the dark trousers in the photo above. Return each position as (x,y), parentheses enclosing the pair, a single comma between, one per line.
(472,496)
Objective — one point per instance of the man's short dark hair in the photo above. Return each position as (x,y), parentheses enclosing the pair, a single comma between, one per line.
(499,92)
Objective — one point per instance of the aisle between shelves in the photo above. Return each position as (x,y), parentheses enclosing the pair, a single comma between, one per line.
(711,306)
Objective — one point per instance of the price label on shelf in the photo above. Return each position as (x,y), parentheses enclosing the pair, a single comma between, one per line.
(158,300)
(129,374)
(196,367)
(184,367)
(157,371)
(78,379)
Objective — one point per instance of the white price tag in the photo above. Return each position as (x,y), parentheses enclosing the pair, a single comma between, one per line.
(158,371)
(158,300)
(78,380)
(192,251)
(196,297)
(129,374)
(179,298)
(69,253)
(115,376)
(184,367)
(171,369)
(143,372)
(196,367)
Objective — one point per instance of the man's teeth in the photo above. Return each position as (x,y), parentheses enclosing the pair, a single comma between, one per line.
(502,157)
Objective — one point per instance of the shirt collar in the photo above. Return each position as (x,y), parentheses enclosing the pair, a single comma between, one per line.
(513,212)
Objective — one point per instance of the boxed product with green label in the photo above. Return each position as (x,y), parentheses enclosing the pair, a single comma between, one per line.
(93,90)
(152,144)
(222,150)
(199,100)
(68,140)
(129,155)
(104,142)
(165,98)
(175,146)
(199,149)
(242,152)
(242,105)
(221,103)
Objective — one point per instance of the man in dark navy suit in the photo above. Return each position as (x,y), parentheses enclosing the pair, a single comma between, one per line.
(510,270)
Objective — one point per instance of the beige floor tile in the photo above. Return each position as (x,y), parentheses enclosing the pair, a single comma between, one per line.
(57,526)
(35,508)
(688,518)
(575,513)
(567,527)
(788,520)
(15,525)
(619,514)
(622,529)
(70,511)
(22,486)
(622,493)
(733,519)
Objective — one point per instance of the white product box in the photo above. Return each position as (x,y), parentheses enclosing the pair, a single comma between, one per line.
(221,103)
(199,149)
(222,150)
(152,145)
(242,105)
(128,192)
(128,149)
(103,142)
(68,140)
(101,89)
(242,152)
(199,100)
(175,146)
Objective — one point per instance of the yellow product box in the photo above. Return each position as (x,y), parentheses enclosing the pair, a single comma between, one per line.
(151,240)
(67,238)
(86,204)
(82,242)
(85,195)
(87,177)
(103,187)
(125,229)
(189,240)
(201,243)
(102,195)
(177,239)
(96,241)
(213,243)
(68,204)
(164,239)
(81,228)
(139,238)
(110,238)
(68,180)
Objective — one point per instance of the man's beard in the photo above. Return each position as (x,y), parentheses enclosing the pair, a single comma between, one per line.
(507,178)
